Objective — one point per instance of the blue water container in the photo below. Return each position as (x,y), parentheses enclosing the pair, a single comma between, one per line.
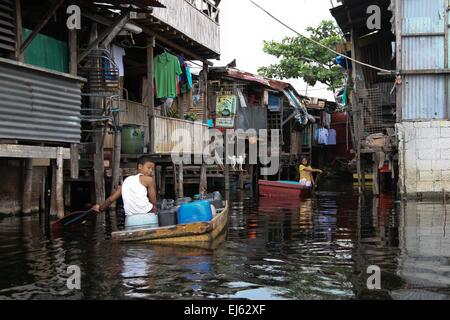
(197,211)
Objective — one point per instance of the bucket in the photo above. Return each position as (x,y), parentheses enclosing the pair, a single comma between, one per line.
(141,221)
(132,139)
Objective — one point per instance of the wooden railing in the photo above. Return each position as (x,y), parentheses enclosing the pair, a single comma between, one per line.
(171,135)
(207,8)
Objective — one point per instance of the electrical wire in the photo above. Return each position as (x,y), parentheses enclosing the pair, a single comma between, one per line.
(318,43)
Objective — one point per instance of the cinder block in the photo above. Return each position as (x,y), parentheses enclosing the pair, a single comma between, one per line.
(444,143)
(446,175)
(421,144)
(425,186)
(431,154)
(425,176)
(445,132)
(445,154)
(428,133)
(441,165)
(425,165)
(425,124)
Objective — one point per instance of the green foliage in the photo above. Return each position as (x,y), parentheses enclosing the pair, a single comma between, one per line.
(191,116)
(173,113)
(301,58)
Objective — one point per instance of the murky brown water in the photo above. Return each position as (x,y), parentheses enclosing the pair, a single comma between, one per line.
(318,249)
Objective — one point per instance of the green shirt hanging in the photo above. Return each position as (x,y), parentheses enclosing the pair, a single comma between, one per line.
(167,69)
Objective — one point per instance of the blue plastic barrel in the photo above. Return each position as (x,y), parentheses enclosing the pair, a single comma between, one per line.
(197,211)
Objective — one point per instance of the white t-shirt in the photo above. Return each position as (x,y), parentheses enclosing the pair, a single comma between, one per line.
(134,195)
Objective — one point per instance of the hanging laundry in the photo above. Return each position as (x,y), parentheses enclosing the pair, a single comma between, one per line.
(167,69)
(118,53)
(186,83)
(332,137)
(323,136)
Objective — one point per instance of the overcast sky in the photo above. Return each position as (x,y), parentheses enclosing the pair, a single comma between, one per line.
(244,27)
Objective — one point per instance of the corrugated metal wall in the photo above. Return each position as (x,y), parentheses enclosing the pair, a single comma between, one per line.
(423,48)
(38,106)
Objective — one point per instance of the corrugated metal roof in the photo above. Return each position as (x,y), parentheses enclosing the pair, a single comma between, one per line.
(38,106)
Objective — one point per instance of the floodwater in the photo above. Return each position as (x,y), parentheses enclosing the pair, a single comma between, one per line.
(319,248)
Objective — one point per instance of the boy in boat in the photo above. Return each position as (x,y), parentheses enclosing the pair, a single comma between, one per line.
(138,193)
(306,173)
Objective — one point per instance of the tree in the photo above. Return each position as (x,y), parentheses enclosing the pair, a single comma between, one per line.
(301,58)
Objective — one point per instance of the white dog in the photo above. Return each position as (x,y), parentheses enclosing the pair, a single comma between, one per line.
(237,160)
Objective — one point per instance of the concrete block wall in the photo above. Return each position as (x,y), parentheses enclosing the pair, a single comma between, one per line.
(424,153)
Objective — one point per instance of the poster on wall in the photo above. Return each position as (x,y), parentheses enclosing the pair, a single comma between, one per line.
(226,107)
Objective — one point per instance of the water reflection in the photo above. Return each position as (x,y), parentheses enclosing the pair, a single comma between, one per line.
(316,248)
(425,251)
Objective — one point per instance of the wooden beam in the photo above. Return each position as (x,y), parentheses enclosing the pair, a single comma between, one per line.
(204,90)
(107,35)
(175,46)
(19,32)
(73,48)
(32,152)
(151,33)
(56,4)
(151,100)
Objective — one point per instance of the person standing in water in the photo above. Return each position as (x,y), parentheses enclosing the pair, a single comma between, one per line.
(306,173)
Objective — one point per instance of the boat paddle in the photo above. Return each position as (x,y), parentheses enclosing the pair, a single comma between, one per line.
(72,219)
(316,183)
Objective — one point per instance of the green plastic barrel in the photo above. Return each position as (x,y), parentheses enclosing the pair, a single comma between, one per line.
(132,139)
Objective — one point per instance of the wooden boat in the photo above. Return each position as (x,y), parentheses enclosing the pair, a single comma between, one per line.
(284,189)
(191,234)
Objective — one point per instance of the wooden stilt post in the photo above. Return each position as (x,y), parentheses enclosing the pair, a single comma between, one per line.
(68,194)
(251,174)
(163,182)
(27,185)
(227,176)
(99,168)
(376,186)
(42,195)
(74,161)
(175,183)
(180,181)
(52,183)
(158,179)
(116,161)
(241,180)
(203,180)
(59,183)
